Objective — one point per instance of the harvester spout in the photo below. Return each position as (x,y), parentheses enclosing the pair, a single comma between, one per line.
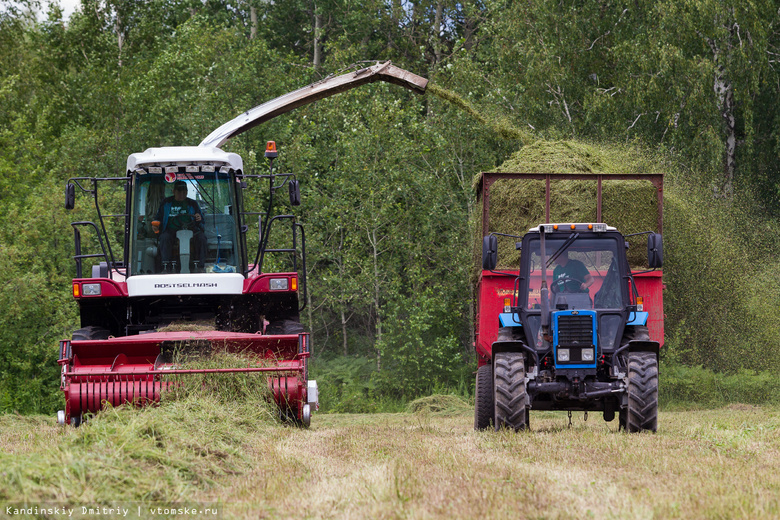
(303,96)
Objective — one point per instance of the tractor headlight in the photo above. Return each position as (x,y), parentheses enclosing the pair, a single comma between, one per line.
(278,284)
(587,354)
(90,289)
(563,354)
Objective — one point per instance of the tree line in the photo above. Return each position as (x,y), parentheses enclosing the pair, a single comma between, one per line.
(386,175)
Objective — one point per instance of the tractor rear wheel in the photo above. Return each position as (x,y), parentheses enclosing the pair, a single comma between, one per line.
(483,398)
(642,412)
(509,391)
(90,333)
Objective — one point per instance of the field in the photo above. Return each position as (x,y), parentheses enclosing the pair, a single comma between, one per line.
(722,463)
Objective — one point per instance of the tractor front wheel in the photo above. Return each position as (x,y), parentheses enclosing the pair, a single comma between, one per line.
(483,398)
(642,411)
(509,391)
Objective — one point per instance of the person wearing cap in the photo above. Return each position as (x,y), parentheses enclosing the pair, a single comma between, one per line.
(176,213)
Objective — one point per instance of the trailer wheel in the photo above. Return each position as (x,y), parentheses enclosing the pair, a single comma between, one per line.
(509,391)
(483,398)
(642,412)
(90,333)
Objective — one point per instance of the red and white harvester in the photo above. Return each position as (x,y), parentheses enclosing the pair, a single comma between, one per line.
(139,293)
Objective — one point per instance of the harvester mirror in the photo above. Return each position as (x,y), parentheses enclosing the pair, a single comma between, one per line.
(489,252)
(295,193)
(655,250)
(70,196)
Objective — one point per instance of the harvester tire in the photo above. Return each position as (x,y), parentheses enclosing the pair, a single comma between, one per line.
(509,391)
(483,398)
(288,326)
(90,333)
(642,411)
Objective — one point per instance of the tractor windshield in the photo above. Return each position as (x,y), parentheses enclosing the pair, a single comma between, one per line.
(184,223)
(582,273)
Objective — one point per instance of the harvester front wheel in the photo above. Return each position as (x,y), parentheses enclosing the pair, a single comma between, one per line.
(509,391)
(286,326)
(483,398)
(642,411)
(90,333)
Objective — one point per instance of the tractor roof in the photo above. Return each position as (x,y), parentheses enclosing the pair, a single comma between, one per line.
(184,155)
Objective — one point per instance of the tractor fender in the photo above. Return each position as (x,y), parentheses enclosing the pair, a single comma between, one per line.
(639,345)
(514,346)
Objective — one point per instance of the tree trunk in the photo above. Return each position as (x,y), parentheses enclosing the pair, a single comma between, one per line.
(724,90)
(317,39)
(120,39)
(377,305)
(253,22)
(437,33)
(342,299)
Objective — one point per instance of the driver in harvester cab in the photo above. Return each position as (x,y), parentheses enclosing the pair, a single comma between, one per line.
(178,213)
(571,275)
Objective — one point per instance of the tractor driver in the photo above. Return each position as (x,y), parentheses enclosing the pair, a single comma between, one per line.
(177,213)
(571,275)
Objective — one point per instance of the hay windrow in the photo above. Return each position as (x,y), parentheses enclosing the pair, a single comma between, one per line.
(516,206)
(440,405)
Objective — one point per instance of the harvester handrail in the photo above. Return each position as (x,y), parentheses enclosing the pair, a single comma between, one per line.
(77,239)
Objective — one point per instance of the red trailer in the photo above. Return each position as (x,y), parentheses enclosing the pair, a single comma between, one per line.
(573,326)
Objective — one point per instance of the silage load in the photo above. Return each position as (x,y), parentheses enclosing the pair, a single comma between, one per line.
(516,206)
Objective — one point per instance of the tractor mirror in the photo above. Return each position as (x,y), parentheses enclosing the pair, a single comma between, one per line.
(70,196)
(295,193)
(489,252)
(655,251)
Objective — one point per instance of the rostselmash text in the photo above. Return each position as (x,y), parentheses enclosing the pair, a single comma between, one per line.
(185,285)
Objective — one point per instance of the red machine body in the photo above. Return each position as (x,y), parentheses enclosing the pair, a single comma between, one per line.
(185,261)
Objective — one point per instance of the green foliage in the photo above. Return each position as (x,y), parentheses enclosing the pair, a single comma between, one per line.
(422,353)
(345,384)
(699,387)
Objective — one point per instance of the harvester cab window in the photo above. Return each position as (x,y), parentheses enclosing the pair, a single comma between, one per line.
(183,222)
(579,272)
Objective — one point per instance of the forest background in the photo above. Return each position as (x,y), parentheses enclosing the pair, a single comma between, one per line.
(387,175)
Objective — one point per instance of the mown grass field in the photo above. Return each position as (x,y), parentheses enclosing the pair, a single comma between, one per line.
(722,463)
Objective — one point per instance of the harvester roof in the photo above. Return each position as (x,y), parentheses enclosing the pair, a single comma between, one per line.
(184,155)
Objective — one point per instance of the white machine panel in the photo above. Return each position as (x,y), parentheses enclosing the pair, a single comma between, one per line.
(185,284)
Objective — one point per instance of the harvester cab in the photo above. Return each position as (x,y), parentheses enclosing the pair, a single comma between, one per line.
(570,328)
(179,272)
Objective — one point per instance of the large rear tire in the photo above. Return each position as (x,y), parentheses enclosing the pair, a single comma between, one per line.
(642,411)
(483,398)
(509,391)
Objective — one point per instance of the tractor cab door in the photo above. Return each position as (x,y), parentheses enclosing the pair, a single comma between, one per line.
(184,220)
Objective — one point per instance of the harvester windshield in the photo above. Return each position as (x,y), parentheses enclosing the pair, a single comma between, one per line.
(183,222)
(582,273)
